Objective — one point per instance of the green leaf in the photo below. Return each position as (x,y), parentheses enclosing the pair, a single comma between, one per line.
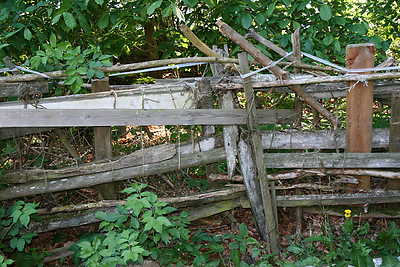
(3,45)
(270,9)
(24,219)
(15,215)
(53,40)
(164,221)
(99,2)
(295,249)
(136,205)
(69,20)
(390,261)
(108,217)
(336,46)
(328,40)
(153,7)
(13,242)
(27,34)
(340,20)
(56,19)
(260,19)
(20,244)
(325,12)
(246,20)
(104,21)
(190,3)
(83,22)
(360,28)
(296,25)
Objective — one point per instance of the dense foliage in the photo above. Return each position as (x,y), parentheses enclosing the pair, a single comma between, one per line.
(140,30)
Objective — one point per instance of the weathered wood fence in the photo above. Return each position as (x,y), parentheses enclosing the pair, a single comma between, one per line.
(176,102)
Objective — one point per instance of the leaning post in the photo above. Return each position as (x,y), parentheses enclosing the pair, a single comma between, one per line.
(359,104)
(267,187)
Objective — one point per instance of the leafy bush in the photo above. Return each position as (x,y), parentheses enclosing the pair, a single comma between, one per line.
(13,222)
(75,61)
(137,229)
(140,229)
(353,246)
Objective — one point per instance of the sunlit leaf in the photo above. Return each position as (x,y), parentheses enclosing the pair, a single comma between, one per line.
(27,34)
(153,7)
(325,12)
(246,20)
(104,21)
(69,20)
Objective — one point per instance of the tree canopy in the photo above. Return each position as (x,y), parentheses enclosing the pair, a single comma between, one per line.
(148,29)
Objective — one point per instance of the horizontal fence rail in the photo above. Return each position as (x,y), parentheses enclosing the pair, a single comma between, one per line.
(121,117)
(332,160)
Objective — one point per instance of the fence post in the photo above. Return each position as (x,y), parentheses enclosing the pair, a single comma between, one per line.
(266,187)
(394,145)
(359,104)
(102,143)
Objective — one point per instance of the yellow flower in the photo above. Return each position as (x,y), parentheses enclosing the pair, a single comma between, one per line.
(347,213)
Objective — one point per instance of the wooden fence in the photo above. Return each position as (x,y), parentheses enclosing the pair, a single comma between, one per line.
(177,102)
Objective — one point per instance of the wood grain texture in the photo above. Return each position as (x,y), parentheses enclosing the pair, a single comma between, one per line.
(271,140)
(102,143)
(147,96)
(359,104)
(332,160)
(394,145)
(145,156)
(267,190)
(122,117)
(15,89)
(293,139)
(81,181)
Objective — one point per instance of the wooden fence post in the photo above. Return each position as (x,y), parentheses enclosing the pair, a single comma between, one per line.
(266,187)
(296,48)
(394,145)
(102,143)
(359,104)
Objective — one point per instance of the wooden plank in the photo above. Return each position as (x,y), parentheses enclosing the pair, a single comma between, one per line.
(121,117)
(15,89)
(339,199)
(394,135)
(359,104)
(231,135)
(332,160)
(146,156)
(102,144)
(146,96)
(294,139)
(81,181)
(248,170)
(316,80)
(163,152)
(6,133)
(266,187)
